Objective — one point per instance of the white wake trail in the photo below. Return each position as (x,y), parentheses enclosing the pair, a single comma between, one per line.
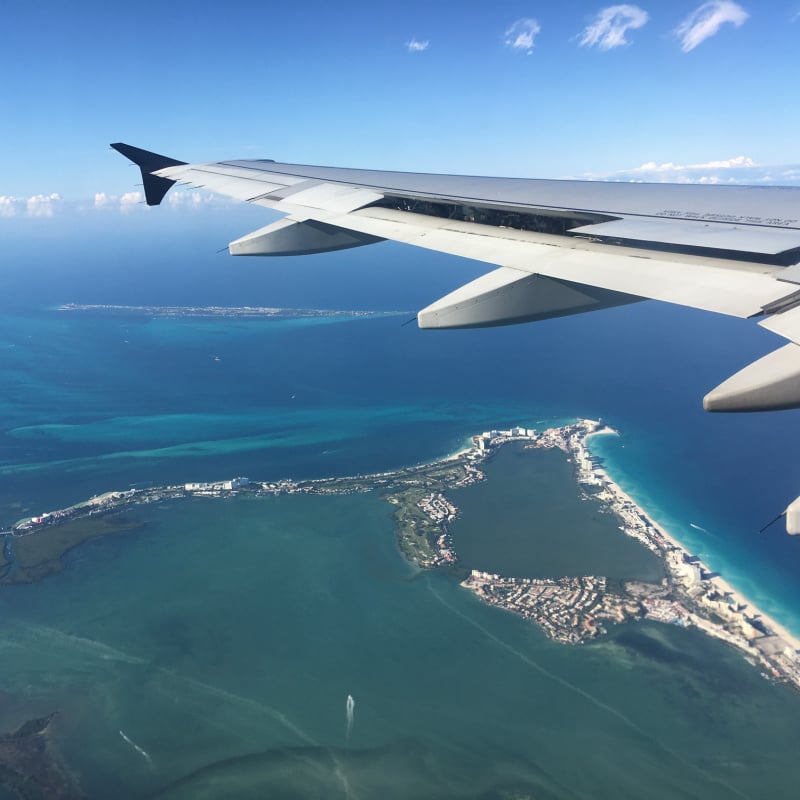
(590,697)
(141,751)
(350,707)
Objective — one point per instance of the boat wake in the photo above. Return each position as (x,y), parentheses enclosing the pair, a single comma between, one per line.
(141,751)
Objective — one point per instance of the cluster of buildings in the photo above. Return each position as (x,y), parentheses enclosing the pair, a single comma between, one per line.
(94,505)
(441,511)
(438,507)
(230,485)
(569,610)
(471,474)
(662,609)
(693,595)
(489,439)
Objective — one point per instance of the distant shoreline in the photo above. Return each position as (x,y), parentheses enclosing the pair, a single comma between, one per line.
(223,312)
(569,609)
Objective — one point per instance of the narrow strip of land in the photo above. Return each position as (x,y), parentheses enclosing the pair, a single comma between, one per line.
(570,609)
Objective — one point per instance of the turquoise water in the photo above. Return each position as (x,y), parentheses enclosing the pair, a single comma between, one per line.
(224,638)
(752,563)
(233,629)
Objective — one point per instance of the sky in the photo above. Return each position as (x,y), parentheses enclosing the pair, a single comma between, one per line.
(676,90)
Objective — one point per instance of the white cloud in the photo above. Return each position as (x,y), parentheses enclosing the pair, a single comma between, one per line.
(415,46)
(727,163)
(189,199)
(39,205)
(521,34)
(8,206)
(127,202)
(740,170)
(42,205)
(135,201)
(610,26)
(131,198)
(706,21)
(131,202)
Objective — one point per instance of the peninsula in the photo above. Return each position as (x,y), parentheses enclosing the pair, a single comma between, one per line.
(570,609)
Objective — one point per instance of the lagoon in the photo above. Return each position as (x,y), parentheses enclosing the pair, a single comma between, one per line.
(529,521)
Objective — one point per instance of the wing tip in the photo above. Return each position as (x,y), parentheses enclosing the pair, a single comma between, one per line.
(155,187)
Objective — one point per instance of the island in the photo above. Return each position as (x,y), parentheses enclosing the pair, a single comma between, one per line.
(570,609)
(31,767)
(221,312)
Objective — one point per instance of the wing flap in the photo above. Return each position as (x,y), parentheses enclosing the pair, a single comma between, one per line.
(726,287)
(330,197)
(760,220)
(690,233)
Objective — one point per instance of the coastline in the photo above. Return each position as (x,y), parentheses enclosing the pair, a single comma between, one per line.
(570,609)
(677,555)
(723,585)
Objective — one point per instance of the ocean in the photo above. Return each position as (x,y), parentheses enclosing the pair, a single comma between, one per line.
(224,637)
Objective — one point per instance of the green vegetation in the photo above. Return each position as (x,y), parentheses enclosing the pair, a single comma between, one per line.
(39,554)
(415,530)
(39,551)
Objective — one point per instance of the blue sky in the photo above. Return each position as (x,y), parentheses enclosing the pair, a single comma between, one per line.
(517,88)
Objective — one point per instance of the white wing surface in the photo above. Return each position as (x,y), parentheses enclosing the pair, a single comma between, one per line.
(558,247)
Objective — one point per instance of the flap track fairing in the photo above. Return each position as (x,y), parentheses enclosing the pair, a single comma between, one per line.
(508,296)
(289,237)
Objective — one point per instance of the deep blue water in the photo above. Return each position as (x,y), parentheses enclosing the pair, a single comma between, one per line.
(94,402)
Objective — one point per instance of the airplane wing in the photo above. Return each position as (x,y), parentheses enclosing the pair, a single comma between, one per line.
(559,247)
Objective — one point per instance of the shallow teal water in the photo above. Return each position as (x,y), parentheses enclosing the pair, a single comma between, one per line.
(228,628)
(240,628)
(529,520)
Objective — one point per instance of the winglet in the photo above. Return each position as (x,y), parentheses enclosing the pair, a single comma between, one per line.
(155,187)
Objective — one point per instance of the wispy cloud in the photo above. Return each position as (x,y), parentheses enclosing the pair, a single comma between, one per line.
(416,46)
(521,35)
(706,21)
(609,27)
(39,205)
